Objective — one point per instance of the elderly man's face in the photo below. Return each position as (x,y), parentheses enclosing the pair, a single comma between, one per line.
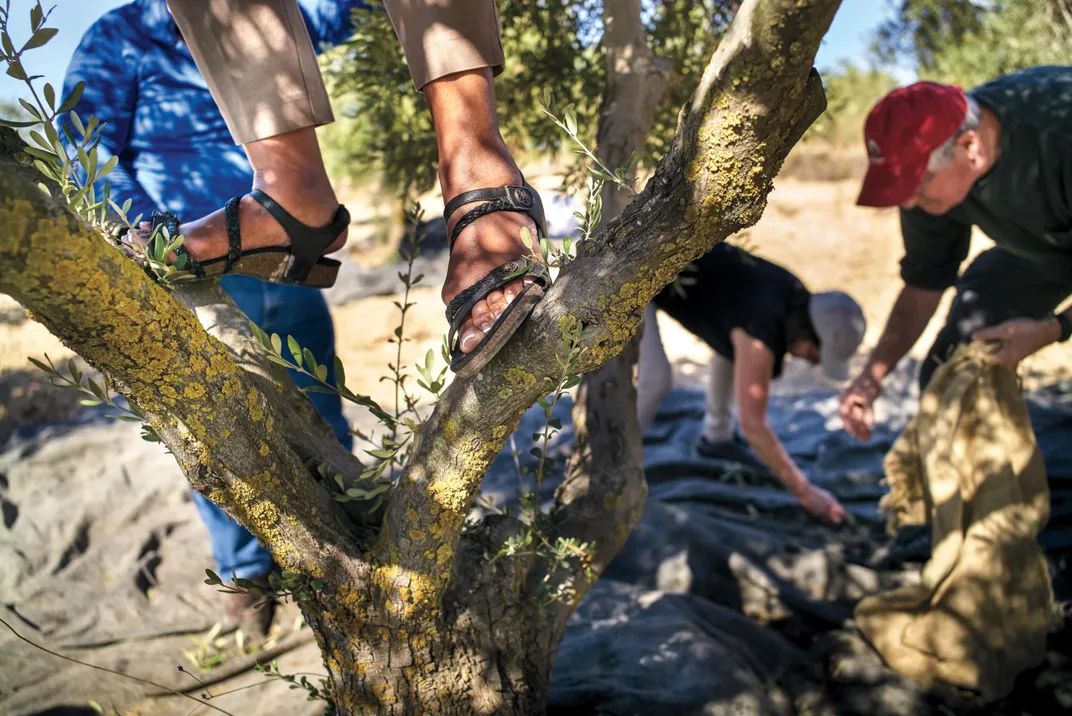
(944,188)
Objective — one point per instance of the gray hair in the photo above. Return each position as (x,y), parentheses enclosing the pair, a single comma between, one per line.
(943,155)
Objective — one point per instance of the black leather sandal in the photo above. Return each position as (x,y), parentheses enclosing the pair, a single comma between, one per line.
(520,199)
(302,263)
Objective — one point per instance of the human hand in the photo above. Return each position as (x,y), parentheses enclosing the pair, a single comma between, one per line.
(819,503)
(856,407)
(1019,338)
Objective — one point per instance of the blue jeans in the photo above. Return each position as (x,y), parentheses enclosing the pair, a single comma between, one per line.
(286,310)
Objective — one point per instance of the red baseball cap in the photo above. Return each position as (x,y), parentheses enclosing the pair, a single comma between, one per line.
(901,132)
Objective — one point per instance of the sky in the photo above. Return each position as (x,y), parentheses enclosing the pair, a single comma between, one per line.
(847,39)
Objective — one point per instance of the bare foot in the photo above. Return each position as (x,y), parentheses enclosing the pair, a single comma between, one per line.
(485,244)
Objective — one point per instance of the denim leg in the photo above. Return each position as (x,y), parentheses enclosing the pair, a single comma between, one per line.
(303,313)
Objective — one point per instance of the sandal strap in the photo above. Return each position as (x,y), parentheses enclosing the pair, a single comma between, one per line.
(234,235)
(184,259)
(520,199)
(307,243)
(459,307)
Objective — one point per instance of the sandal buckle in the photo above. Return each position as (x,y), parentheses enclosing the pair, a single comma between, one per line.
(520,197)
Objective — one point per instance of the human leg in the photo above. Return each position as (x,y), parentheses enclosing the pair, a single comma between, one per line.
(718,402)
(453,51)
(996,287)
(259,63)
(654,374)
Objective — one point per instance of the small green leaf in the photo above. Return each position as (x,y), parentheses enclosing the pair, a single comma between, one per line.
(213,578)
(572,382)
(50,96)
(14,124)
(15,70)
(30,108)
(37,16)
(381,454)
(96,389)
(77,122)
(108,166)
(536,452)
(283,362)
(571,121)
(40,153)
(555,423)
(295,350)
(290,575)
(39,38)
(72,98)
(90,403)
(277,344)
(76,374)
(340,372)
(547,97)
(40,365)
(310,359)
(95,706)
(316,585)
(542,402)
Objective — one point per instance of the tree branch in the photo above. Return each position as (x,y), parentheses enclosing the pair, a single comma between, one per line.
(758,95)
(222,425)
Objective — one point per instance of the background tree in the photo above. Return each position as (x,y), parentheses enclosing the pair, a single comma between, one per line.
(409,612)
(557,46)
(971,41)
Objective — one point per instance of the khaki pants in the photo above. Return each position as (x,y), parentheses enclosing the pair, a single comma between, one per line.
(260,64)
(655,378)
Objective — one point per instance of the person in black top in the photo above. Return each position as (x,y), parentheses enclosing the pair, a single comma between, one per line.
(751,312)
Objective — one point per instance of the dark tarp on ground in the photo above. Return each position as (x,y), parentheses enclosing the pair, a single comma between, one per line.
(662,632)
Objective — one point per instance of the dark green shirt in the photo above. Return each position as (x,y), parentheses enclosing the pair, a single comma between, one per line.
(1024,203)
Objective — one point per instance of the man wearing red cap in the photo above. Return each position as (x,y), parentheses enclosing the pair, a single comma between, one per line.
(998,157)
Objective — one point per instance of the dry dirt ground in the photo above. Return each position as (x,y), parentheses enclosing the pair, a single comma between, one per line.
(811,227)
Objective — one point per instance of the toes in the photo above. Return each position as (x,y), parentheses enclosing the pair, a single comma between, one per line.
(469,336)
(497,302)
(482,316)
(513,289)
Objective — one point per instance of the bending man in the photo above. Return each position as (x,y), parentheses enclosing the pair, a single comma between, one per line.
(998,157)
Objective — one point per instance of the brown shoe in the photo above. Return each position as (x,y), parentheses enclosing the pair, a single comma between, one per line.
(253,615)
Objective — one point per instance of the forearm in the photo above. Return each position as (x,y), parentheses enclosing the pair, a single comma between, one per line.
(908,319)
(772,453)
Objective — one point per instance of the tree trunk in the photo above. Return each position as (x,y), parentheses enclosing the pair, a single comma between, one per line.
(410,616)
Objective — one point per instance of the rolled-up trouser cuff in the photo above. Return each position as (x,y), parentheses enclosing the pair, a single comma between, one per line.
(447,37)
(259,63)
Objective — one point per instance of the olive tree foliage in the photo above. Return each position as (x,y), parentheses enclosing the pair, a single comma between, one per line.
(971,41)
(553,48)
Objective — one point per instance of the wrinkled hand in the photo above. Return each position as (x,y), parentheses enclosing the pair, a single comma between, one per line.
(1019,338)
(819,503)
(856,407)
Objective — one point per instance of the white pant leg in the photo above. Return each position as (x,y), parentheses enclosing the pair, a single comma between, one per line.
(654,375)
(719,402)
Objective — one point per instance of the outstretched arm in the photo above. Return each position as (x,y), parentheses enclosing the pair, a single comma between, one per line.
(753,369)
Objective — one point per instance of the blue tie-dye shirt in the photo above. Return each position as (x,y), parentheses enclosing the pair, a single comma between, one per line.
(175,152)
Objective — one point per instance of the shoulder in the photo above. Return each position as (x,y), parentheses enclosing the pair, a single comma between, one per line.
(1037,98)
(122,25)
